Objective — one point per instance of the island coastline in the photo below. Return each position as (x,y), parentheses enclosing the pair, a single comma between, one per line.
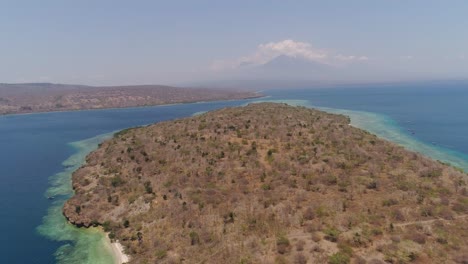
(185,195)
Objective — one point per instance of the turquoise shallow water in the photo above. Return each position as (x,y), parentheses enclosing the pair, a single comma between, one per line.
(82,246)
(387,128)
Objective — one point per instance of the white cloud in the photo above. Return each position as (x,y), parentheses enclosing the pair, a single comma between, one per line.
(341,57)
(268,51)
(290,48)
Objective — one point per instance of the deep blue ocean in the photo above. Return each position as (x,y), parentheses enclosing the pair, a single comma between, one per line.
(39,152)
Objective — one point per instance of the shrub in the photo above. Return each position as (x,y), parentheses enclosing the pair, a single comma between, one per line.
(106,226)
(462,259)
(262,177)
(280,260)
(316,237)
(330,180)
(116,181)
(270,152)
(160,254)
(300,245)
(345,249)
(321,211)
(427,211)
(148,187)
(417,237)
(194,238)
(398,215)
(282,245)
(300,259)
(339,258)
(229,218)
(460,208)
(372,185)
(389,202)
(309,214)
(331,234)
(432,173)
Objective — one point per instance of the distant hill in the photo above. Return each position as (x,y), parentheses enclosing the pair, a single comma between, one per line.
(285,71)
(296,67)
(270,183)
(45,97)
(286,68)
(14,89)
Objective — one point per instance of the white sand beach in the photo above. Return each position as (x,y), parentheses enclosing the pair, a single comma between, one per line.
(118,252)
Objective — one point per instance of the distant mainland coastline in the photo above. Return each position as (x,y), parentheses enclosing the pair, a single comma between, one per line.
(47,97)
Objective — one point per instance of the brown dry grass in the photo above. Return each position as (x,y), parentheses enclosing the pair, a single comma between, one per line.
(270,183)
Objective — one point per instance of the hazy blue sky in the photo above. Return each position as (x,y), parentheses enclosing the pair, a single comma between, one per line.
(122,42)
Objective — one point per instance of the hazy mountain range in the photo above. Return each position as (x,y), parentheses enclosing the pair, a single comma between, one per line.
(285,71)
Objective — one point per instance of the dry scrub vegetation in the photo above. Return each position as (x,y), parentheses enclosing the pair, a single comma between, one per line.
(46,97)
(270,183)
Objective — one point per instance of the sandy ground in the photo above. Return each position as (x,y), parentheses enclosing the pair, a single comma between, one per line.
(118,252)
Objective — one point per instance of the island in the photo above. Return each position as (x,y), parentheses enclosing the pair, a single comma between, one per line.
(48,97)
(270,183)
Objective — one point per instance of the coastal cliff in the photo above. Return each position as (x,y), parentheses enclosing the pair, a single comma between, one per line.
(270,183)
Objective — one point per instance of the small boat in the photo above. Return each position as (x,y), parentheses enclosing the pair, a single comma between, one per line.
(51,197)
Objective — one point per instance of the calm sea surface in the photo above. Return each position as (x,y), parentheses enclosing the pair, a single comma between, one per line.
(37,155)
